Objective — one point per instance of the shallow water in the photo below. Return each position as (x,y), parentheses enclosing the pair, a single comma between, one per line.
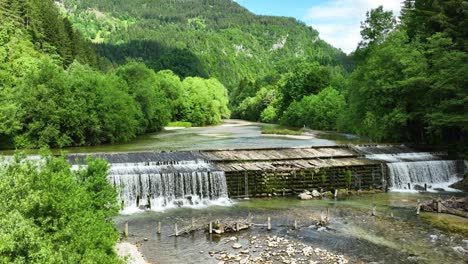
(395,235)
(228,135)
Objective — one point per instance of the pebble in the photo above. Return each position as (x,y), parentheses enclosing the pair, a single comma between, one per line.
(236,246)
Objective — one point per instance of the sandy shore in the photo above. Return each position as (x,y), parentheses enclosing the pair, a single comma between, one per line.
(130,252)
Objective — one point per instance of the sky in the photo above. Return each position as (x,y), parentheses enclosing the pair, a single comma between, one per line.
(338,21)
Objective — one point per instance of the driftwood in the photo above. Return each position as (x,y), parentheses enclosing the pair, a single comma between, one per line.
(454,206)
(187,230)
(231,226)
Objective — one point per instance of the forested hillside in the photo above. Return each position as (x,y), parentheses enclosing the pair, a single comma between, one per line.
(206,38)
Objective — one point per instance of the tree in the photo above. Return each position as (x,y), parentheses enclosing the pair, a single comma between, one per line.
(376,27)
(48,215)
(152,101)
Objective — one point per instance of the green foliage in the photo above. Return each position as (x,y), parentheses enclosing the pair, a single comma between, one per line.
(179,124)
(323,177)
(319,111)
(269,114)
(348,176)
(276,130)
(207,101)
(150,98)
(51,214)
(305,80)
(410,85)
(376,27)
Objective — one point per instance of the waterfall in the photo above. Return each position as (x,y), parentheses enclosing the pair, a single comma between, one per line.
(438,173)
(159,181)
(411,171)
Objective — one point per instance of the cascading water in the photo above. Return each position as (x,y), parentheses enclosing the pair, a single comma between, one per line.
(410,171)
(159,181)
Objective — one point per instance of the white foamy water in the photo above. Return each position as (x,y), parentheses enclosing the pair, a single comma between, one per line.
(408,169)
(194,184)
(412,156)
(435,173)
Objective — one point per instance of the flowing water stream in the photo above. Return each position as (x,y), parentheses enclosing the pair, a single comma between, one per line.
(411,171)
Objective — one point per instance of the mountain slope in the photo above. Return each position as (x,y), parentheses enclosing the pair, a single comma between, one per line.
(216,38)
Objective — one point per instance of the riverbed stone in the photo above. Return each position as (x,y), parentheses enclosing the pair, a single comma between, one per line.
(236,246)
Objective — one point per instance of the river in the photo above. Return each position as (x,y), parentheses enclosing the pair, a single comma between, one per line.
(229,134)
(395,235)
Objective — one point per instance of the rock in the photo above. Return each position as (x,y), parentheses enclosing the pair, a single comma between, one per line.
(304,196)
(145,239)
(418,187)
(233,238)
(315,193)
(246,251)
(460,250)
(244,260)
(321,229)
(433,238)
(236,246)
(439,189)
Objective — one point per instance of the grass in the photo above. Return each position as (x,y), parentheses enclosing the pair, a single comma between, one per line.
(277,130)
(179,124)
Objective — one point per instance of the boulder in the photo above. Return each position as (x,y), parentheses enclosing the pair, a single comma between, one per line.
(304,196)
(315,193)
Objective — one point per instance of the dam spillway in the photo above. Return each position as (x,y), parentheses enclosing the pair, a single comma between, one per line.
(161,180)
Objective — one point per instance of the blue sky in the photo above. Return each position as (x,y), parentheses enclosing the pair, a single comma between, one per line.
(338,21)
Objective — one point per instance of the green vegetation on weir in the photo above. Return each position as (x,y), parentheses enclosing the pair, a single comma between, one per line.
(52,214)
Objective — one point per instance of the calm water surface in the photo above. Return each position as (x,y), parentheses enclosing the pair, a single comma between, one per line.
(229,135)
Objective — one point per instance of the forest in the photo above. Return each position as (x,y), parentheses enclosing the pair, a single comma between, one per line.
(53,93)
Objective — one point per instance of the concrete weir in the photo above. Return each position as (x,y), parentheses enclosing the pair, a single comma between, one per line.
(289,171)
(250,172)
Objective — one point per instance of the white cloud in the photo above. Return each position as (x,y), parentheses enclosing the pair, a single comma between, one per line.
(338,21)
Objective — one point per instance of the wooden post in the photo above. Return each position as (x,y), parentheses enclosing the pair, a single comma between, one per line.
(373,211)
(336,193)
(193,222)
(425,187)
(237,227)
(418,207)
(269,224)
(211,227)
(126,229)
(439,206)
(176,230)
(328,213)
(159,228)
(409,186)
(295,224)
